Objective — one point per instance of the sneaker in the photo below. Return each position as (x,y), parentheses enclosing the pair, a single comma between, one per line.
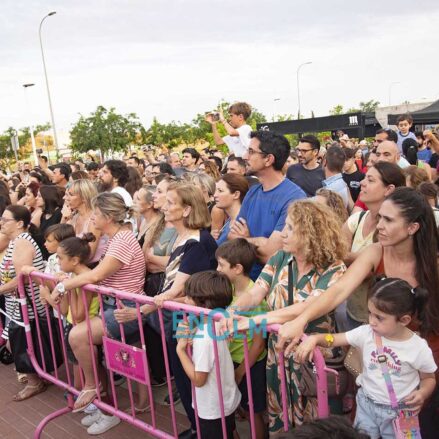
(175,396)
(118,379)
(188,434)
(90,409)
(89,420)
(103,424)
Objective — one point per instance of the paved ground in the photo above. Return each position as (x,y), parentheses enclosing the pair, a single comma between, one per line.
(18,420)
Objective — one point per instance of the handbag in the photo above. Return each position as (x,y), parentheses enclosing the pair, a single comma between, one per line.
(353,361)
(18,342)
(337,384)
(406,424)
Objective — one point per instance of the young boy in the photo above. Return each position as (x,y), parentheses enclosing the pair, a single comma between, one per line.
(404,123)
(351,174)
(209,289)
(238,131)
(235,259)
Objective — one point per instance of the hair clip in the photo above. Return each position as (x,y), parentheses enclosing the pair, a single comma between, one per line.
(413,291)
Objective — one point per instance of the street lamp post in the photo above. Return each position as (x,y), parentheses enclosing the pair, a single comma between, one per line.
(31,128)
(274,107)
(55,137)
(298,87)
(390,91)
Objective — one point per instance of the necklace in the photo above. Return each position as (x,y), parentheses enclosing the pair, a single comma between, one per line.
(180,239)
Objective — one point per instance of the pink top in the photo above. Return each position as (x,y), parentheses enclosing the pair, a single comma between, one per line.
(124,247)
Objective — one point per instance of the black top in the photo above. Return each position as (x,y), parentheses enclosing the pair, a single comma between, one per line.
(45,223)
(308,180)
(433,160)
(353,182)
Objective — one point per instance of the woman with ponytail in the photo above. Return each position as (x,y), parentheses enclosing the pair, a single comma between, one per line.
(407,248)
(122,268)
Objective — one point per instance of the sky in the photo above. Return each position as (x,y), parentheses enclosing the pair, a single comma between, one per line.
(176,58)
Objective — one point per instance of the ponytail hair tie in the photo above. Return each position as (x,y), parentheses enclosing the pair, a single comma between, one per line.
(413,291)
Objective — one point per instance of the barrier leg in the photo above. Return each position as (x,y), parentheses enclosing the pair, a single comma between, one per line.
(56,414)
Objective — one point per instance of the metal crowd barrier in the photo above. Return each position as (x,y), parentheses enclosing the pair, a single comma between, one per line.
(132,362)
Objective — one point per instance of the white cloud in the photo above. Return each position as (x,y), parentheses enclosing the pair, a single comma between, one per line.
(172,59)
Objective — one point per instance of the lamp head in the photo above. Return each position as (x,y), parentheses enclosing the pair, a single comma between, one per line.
(51,13)
(28,85)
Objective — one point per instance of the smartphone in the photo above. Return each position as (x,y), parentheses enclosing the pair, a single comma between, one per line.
(215,116)
(39,150)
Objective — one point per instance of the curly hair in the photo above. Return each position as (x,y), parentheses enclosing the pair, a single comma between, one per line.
(320,232)
(335,202)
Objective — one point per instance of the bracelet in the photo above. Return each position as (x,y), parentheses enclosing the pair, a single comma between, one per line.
(329,338)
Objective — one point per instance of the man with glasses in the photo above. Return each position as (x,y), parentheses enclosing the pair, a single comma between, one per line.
(308,174)
(264,209)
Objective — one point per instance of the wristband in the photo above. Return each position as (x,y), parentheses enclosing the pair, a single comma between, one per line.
(329,338)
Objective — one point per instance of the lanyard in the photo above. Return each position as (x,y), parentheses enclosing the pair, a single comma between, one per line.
(382,360)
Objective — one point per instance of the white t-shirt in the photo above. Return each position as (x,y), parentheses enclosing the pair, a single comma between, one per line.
(204,361)
(238,145)
(405,359)
(124,194)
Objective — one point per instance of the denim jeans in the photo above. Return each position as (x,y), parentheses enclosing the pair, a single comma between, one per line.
(373,418)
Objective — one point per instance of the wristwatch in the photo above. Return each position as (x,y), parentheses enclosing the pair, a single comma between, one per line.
(61,288)
(329,338)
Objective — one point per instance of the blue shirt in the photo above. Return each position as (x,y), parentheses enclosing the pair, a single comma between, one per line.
(425,155)
(266,211)
(337,184)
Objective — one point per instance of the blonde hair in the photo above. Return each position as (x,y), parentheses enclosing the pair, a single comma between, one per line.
(191,196)
(319,231)
(112,206)
(415,175)
(335,203)
(86,190)
(204,181)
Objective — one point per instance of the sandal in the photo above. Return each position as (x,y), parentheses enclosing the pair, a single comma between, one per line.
(21,378)
(29,391)
(85,398)
(138,411)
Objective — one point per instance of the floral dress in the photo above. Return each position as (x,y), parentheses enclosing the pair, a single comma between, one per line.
(274,279)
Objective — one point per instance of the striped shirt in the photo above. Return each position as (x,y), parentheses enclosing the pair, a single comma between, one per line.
(7,273)
(124,247)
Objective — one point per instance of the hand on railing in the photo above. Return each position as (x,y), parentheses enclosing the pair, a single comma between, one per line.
(160,299)
(290,334)
(125,313)
(305,350)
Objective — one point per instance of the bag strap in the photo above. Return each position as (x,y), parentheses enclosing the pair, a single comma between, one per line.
(360,217)
(382,360)
(290,283)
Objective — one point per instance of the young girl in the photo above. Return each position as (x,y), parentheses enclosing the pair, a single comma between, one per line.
(210,289)
(392,304)
(73,253)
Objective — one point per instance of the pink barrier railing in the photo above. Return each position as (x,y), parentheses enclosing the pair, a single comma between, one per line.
(140,372)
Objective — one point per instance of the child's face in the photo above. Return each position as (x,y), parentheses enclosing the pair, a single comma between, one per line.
(51,243)
(383,324)
(225,268)
(66,263)
(404,126)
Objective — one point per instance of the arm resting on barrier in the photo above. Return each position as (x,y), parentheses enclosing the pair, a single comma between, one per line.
(305,350)
(106,268)
(290,332)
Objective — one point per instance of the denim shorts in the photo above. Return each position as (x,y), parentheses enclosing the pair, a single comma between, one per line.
(373,418)
(131,329)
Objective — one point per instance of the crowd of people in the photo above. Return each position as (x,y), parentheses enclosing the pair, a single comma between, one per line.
(339,241)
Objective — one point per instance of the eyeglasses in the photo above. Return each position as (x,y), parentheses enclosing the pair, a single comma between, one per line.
(251,151)
(303,151)
(5,220)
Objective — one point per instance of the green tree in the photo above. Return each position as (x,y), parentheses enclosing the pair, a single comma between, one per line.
(106,131)
(369,106)
(338,109)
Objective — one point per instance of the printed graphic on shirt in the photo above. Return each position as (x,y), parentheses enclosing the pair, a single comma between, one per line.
(392,361)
